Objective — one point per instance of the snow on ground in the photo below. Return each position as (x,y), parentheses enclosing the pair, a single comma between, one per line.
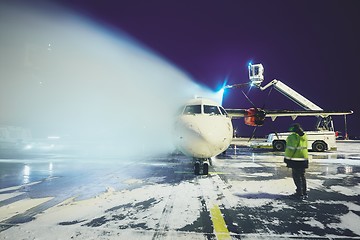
(348,221)
(348,191)
(250,192)
(18,187)
(256,188)
(5,196)
(20,207)
(142,207)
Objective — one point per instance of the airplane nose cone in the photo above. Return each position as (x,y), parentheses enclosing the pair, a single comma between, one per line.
(202,138)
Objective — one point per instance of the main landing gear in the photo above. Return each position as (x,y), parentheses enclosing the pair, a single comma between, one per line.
(201,166)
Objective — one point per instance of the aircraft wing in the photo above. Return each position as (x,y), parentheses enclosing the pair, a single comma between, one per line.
(240,113)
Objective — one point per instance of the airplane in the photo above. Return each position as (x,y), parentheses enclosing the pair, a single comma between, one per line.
(204,128)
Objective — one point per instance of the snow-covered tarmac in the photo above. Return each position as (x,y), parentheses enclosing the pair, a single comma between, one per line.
(244,197)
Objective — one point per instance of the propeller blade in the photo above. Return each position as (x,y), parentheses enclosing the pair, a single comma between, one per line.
(253,134)
(248,99)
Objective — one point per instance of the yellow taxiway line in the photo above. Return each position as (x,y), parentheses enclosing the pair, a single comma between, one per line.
(221,231)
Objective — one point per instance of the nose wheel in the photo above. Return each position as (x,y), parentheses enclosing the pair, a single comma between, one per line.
(201,166)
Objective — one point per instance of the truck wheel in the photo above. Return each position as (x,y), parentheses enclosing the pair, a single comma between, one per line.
(279,146)
(319,146)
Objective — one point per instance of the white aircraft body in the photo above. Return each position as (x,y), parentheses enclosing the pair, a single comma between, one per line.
(203,130)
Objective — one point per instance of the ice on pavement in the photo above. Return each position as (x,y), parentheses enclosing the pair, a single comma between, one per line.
(247,190)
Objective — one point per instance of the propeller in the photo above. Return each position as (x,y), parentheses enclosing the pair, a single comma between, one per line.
(253,116)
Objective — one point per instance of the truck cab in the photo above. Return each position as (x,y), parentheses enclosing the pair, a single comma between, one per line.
(318,141)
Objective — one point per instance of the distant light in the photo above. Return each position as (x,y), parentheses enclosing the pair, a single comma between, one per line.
(26,170)
(51,167)
(26,174)
(251,86)
(28,147)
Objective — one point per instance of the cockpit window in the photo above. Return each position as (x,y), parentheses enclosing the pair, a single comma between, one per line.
(180,110)
(192,109)
(223,111)
(211,110)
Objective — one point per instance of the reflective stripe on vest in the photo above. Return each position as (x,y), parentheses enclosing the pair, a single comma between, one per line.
(296,148)
(296,159)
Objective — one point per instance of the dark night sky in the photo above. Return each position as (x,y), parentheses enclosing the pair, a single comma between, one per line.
(312,46)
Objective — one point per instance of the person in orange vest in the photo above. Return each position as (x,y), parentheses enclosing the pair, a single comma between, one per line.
(296,158)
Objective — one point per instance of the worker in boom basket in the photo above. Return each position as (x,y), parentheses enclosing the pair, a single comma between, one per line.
(296,158)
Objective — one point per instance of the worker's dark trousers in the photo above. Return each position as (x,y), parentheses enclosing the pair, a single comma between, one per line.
(298,175)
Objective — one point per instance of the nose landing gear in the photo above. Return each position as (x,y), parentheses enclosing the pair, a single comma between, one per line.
(201,166)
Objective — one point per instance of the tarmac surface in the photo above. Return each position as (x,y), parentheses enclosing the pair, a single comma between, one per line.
(245,196)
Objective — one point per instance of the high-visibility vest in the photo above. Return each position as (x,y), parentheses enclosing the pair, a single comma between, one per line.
(296,152)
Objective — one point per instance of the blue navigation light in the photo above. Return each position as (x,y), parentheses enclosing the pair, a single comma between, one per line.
(220,93)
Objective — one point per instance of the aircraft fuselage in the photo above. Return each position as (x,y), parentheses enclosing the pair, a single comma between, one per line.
(203,130)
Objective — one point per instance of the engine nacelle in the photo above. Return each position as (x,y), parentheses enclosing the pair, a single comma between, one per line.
(254,117)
